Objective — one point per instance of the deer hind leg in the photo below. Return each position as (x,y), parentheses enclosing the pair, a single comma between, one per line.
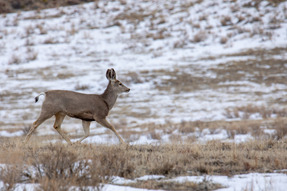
(105,123)
(86,127)
(57,125)
(43,117)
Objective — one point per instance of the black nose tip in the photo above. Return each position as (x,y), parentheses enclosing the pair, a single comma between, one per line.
(128,90)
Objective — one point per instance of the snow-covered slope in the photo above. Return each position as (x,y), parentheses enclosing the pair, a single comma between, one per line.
(183,60)
(165,51)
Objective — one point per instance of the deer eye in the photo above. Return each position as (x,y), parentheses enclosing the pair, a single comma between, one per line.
(120,84)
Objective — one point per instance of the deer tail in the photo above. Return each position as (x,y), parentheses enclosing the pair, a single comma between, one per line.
(37,97)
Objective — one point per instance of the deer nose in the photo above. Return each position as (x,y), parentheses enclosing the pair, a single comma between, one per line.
(128,89)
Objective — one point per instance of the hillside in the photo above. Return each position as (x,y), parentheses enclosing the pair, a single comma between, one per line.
(198,71)
(194,61)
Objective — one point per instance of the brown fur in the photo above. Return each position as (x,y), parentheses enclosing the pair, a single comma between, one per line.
(87,107)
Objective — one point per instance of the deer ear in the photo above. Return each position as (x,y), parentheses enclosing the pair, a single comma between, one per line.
(113,74)
(108,74)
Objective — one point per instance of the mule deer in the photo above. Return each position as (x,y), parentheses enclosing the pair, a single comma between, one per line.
(87,107)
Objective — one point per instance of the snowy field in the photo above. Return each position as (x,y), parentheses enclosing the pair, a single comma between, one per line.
(253,181)
(184,61)
(172,55)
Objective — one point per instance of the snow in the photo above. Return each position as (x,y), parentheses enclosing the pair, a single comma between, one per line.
(120,180)
(207,136)
(109,187)
(276,181)
(75,48)
(239,138)
(150,177)
(143,139)
(9,134)
(97,44)
(252,181)
(43,50)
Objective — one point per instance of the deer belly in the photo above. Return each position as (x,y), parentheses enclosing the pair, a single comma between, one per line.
(87,116)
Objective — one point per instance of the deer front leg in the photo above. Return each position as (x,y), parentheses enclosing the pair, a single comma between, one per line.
(86,127)
(105,123)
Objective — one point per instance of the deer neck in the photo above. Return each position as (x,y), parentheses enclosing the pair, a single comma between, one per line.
(110,96)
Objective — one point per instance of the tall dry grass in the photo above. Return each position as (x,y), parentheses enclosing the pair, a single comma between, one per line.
(63,166)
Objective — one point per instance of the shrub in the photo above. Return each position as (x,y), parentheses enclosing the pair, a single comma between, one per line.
(55,166)
(199,37)
(10,175)
(223,40)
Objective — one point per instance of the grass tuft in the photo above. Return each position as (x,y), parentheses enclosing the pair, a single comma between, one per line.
(63,166)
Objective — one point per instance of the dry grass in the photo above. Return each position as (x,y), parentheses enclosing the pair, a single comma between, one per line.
(60,166)
(199,36)
(170,185)
(10,175)
(50,40)
(8,6)
(245,112)
(191,131)
(261,67)
(82,87)
(63,166)
(30,55)
(225,21)
(223,40)
(14,60)
(272,118)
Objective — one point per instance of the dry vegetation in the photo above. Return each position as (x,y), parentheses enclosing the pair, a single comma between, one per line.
(7,6)
(58,166)
(191,131)
(61,166)
(261,66)
(170,185)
